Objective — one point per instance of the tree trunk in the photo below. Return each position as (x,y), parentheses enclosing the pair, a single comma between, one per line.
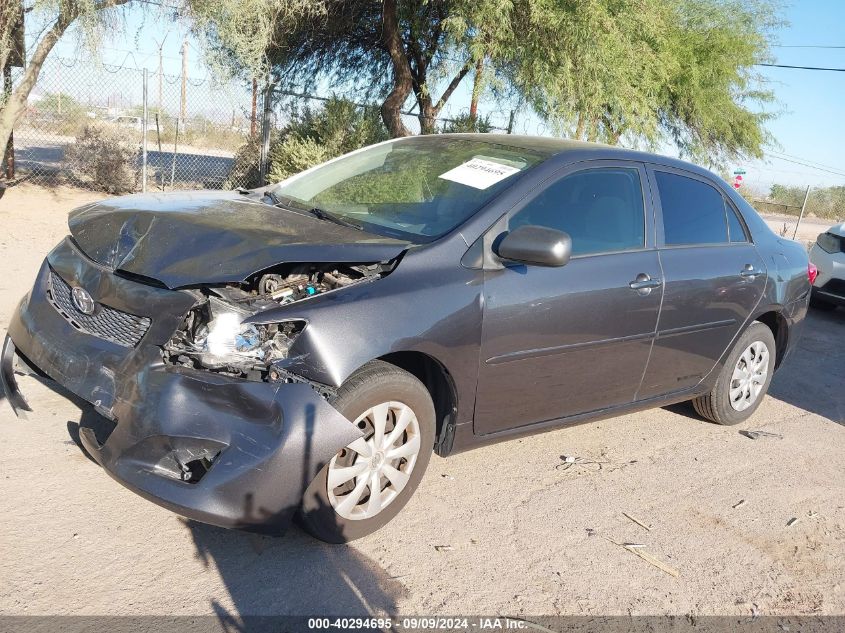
(403,85)
(427,116)
(15,105)
(429,111)
(476,90)
(594,129)
(579,128)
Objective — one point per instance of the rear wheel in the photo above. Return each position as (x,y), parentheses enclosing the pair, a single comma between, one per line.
(369,481)
(744,379)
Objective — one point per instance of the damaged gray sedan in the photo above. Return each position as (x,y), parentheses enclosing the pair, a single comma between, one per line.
(302,349)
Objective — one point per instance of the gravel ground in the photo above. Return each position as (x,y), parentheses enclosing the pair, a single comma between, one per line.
(524,536)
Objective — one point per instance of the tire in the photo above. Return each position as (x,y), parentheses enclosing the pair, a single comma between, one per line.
(716,406)
(377,388)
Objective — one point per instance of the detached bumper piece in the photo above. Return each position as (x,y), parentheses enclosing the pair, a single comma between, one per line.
(8,383)
(220,450)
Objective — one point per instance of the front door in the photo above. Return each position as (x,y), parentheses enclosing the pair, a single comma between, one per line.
(714,278)
(561,341)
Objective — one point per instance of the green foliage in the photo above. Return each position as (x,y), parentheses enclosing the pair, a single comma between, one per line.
(295,154)
(713,103)
(825,202)
(643,71)
(104,157)
(466,123)
(60,104)
(787,194)
(238,33)
(311,137)
(317,135)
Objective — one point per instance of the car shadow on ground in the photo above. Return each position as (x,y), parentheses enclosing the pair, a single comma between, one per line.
(288,575)
(812,376)
(292,575)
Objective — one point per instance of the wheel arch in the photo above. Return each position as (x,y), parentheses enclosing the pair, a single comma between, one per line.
(440,385)
(779,326)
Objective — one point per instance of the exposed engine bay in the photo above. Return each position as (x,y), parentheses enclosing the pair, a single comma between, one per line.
(214,337)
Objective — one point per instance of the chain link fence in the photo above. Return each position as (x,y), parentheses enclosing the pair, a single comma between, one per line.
(191,139)
(85,125)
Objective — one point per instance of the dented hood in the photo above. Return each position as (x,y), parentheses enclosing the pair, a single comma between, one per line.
(212,237)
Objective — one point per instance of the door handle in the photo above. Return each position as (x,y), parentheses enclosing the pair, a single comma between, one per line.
(750,272)
(643,283)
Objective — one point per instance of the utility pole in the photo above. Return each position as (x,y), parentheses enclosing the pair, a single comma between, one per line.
(184,81)
(264,155)
(254,117)
(160,70)
(800,217)
(144,137)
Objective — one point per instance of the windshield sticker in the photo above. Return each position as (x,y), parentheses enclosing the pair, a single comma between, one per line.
(479,173)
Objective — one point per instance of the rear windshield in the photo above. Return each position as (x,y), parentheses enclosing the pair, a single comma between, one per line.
(416,188)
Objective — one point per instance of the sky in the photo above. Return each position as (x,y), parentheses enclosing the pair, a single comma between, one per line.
(809,128)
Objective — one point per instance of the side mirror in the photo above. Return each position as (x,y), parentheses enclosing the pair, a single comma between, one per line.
(536,245)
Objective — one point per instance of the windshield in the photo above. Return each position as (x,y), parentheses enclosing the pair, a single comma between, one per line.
(415,188)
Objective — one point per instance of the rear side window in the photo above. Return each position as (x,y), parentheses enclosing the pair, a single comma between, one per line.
(693,212)
(735,228)
(600,209)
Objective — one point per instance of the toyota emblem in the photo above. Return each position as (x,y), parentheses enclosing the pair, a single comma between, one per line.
(82,300)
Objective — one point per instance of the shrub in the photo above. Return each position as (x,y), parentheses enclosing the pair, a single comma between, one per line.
(466,123)
(313,136)
(244,172)
(105,157)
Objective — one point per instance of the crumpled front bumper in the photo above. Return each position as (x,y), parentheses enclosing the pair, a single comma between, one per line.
(259,444)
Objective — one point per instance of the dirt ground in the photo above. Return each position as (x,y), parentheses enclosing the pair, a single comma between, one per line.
(751,526)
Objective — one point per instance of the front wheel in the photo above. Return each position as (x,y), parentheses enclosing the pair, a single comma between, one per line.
(368,482)
(744,379)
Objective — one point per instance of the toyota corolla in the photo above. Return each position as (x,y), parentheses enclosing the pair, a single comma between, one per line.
(303,348)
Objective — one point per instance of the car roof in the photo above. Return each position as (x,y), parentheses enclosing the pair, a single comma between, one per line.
(566,150)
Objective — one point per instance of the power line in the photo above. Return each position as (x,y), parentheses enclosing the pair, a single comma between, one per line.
(803,164)
(838,70)
(777,154)
(804,46)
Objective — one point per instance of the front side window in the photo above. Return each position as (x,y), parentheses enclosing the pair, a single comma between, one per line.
(600,209)
(415,188)
(693,211)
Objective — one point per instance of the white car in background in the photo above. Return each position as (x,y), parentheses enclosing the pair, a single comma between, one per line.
(828,254)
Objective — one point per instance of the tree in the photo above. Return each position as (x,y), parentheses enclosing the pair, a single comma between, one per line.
(392,49)
(647,71)
(58,16)
(60,104)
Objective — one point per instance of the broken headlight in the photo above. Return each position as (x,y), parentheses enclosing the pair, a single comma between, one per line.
(215,336)
(231,341)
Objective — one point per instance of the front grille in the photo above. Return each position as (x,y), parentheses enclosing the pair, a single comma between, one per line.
(106,323)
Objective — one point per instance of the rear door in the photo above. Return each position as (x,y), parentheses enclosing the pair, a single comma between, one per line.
(714,278)
(561,341)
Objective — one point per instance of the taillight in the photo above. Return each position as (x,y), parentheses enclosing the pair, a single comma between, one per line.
(812,273)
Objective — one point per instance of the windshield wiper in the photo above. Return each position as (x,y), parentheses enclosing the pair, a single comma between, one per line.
(317,212)
(276,200)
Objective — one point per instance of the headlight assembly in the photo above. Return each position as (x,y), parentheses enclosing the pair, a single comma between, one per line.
(229,340)
(215,337)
